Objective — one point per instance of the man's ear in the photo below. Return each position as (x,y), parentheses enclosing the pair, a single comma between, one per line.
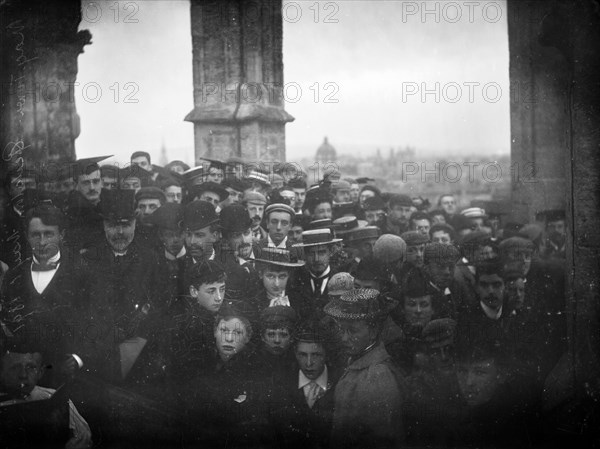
(193,291)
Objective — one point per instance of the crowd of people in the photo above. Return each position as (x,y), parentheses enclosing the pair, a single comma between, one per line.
(231,306)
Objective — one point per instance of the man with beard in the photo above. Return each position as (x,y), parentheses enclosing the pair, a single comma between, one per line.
(400,209)
(488,317)
(84,227)
(254,203)
(43,299)
(123,290)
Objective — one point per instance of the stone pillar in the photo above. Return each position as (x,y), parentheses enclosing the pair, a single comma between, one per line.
(539,84)
(554,56)
(39,49)
(238,79)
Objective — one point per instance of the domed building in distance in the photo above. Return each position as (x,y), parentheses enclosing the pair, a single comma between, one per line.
(326,153)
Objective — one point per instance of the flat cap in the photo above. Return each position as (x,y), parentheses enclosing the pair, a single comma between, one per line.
(278,315)
(254,198)
(340,283)
(414,238)
(152,193)
(439,332)
(515,243)
(389,249)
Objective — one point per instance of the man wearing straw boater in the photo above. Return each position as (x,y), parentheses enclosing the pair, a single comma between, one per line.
(312,280)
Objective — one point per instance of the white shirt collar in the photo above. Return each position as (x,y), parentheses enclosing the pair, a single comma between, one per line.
(491,313)
(179,255)
(321,381)
(53,259)
(281,245)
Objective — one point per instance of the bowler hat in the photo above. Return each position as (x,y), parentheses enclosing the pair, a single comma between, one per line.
(278,257)
(197,215)
(317,237)
(235,218)
(357,305)
(167,216)
(117,204)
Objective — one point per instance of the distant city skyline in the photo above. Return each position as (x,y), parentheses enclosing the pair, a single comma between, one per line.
(377,61)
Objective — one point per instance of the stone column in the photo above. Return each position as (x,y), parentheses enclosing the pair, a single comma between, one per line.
(554,56)
(539,83)
(39,49)
(238,79)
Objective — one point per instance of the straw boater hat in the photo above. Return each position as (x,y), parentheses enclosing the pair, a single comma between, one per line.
(344,225)
(357,305)
(365,233)
(316,237)
(278,257)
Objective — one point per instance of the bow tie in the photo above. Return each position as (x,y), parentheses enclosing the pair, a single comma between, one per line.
(44,267)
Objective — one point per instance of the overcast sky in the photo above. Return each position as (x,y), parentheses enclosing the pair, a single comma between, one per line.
(135,79)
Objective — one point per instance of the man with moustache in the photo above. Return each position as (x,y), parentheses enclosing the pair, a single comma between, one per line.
(123,290)
(400,210)
(255,205)
(84,227)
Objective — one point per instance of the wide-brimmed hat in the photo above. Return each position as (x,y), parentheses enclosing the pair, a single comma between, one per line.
(197,215)
(117,204)
(235,218)
(345,225)
(316,237)
(357,305)
(364,233)
(209,186)
(278,257)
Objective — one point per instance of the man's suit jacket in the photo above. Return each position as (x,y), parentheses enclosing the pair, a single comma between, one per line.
(309,302)
(53,322)
(298,425)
